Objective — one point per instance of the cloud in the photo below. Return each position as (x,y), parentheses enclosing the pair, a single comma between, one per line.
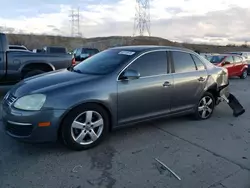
(174,10)
(211,21)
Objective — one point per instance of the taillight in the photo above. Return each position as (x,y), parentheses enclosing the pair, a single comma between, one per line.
(73,61)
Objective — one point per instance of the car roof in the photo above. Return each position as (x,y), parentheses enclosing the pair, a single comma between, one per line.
(54,47)
(16,45)
(18,50)
(240,52)
(227,54)
(143,48)
(89,48)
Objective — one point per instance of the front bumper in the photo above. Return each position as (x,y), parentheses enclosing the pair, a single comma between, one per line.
(26,125)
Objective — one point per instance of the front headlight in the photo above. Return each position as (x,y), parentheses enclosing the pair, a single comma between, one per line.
(30,102)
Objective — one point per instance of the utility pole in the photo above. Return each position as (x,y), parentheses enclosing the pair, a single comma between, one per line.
(142,18)
(75,22)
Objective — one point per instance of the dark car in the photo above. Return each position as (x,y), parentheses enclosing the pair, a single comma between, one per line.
(80,54)
(111,89)
(235,64)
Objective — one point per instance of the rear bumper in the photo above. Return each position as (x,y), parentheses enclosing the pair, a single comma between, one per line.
(222,91)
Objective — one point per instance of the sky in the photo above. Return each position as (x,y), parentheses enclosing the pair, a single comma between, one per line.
(193,21)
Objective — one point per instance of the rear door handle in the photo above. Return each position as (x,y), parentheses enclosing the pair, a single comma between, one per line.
(166,84)
(201,79)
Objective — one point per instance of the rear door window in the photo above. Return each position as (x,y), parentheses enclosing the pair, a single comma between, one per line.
(229,59)
(183,62)
(198,63)
(237,59)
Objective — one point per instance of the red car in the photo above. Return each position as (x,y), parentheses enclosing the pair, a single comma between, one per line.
(235,64)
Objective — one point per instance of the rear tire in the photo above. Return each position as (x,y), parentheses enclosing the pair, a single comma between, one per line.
(244,74)
(32,73)
(85,127)
(205,107)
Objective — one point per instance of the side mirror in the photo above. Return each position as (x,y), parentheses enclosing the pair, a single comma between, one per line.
(226,63)
(130,74)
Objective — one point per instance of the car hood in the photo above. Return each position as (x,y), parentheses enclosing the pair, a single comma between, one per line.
(50,81)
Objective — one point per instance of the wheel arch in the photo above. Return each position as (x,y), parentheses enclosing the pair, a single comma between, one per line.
(31,65)
(102,105)
(213,89)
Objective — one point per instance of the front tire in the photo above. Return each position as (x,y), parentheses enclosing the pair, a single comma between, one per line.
(205,107)
(244,74)
(85,127)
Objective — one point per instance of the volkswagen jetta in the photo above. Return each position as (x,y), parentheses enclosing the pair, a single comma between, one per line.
(114,88)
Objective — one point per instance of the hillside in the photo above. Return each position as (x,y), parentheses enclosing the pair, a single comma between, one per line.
(38,41)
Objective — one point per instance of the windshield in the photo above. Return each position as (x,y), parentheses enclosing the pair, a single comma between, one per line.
(104,62)
(216,59)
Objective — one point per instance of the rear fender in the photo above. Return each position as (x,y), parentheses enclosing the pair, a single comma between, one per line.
(33,63)
(244,68)
(210,84)
(215,89)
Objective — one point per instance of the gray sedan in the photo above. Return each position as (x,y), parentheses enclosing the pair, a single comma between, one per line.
(114,88)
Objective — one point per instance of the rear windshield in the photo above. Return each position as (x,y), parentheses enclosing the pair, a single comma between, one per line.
(90,51)
(56,50)
(216,59)
(104,62)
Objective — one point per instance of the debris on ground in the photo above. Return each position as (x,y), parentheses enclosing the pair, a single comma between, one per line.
(74,169)
(166,167)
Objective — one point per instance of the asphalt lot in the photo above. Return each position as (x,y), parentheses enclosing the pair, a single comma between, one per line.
(212,154)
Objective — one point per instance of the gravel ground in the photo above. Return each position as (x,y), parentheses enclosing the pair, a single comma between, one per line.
(212,153)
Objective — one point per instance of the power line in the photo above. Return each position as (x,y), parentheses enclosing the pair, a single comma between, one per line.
(142,18)
(75,22)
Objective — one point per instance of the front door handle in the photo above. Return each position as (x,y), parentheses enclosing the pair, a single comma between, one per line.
(201,79)
(166,84)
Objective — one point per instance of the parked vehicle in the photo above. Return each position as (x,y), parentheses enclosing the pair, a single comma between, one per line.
(37,50)
(18,47)
(16,65)
(114,88)
(81,54)
(55,50)
(246,55)
(208,56)
(235,64)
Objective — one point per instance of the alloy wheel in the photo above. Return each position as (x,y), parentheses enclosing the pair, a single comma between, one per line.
(205,107)
(87,127)
(244,74)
